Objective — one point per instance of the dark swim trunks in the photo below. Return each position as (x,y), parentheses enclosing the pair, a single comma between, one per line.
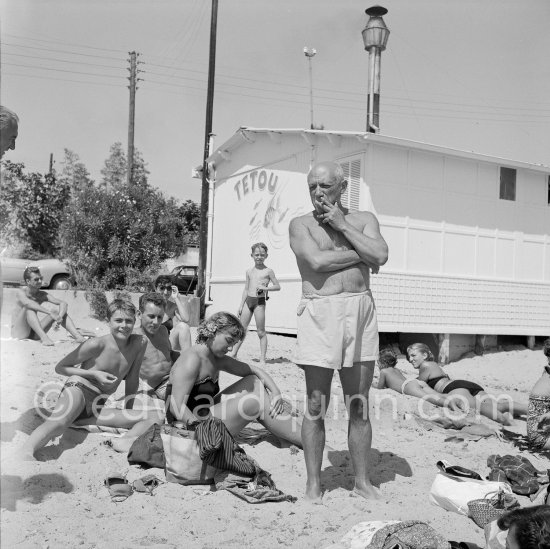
(253,302)
(93,400)
(470,386)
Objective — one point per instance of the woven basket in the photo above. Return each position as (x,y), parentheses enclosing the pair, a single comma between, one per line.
(490,508)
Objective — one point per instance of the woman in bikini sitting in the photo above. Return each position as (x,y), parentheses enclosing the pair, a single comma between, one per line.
(194,392)
(538,412)
(392,378)
(502,409)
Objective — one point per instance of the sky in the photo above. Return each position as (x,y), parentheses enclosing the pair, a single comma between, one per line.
(468,74)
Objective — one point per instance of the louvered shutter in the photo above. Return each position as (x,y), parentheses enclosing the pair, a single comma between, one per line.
(352,173)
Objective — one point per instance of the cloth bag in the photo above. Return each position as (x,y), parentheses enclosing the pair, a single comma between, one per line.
(453,492)
(183,462)
(148,450)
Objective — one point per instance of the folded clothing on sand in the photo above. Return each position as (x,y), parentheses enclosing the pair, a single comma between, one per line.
(517,471)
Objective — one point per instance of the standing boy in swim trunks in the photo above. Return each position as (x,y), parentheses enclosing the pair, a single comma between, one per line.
(158,358)
(337,327)
(104,362)
(254,297)
(29,302)
(180,333)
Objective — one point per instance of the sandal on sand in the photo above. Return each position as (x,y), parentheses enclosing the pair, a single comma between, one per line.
(119,488)
(147,484)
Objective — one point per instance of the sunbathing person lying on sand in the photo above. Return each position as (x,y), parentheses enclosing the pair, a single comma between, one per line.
(105,362)
(538,413)
(392,378)
(194,392)
(501,408)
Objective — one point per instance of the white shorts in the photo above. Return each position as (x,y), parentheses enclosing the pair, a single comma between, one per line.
(336,331)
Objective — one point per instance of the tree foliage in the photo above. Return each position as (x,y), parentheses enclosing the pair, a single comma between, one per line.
(34,204)
(117,235)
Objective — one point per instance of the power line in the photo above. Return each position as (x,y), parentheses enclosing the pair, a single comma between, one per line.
(61,70)
(60,42)
(64,61)
(61,51)
(44,77)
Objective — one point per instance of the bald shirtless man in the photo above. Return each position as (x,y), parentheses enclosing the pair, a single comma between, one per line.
(337,326)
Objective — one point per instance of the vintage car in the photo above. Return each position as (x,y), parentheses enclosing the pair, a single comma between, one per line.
(56,275)
(185,278)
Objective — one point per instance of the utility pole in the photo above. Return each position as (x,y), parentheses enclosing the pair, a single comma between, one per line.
(131,118)
(51,164)
(203,234)
(309,53)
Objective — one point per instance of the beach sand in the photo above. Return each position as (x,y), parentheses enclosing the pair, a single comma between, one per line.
(60,500)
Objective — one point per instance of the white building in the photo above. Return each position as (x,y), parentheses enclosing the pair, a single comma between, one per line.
(468,234)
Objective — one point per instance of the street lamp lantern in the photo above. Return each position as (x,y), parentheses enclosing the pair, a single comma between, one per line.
(310,53)
(375,38)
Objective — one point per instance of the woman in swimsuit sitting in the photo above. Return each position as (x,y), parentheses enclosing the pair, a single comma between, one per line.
(538,413)
(502,409)
(392,378)
(194,392)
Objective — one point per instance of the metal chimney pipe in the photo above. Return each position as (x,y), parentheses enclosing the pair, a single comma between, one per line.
(375,38)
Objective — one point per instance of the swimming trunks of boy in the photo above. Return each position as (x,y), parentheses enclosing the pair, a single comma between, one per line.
(161,388)
(538,406)
(94,399)
(470,386)
(253,302)
(202,394)
(405,383)
(336,331)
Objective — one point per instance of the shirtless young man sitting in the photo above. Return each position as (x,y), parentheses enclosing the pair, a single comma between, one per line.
(95,370)
(25,320)
(159,357)
(337,325)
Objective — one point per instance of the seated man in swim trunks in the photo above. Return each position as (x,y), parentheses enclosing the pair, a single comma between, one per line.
(177,307)
(392,378)
(29,303)
(159,357)
(499,408)
(538,412)
(254,297)
(104,363)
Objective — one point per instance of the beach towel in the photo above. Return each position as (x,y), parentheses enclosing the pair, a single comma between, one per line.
(361,534)
(260,489)
(518,471)
(457,429)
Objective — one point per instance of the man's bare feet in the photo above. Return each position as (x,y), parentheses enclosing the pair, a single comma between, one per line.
(47,341)
(366,490)
(313,494)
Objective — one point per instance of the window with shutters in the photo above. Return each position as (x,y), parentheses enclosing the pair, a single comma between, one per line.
(352,173)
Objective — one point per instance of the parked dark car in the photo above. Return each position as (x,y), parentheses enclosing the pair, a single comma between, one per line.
(185,278)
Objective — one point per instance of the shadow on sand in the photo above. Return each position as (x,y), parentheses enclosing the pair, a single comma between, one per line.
(33,489)
(385,466)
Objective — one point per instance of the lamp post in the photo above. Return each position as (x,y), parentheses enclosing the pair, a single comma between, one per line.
(375,37)
(309,53)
